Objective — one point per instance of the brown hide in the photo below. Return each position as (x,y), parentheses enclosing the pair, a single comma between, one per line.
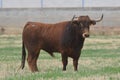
(66,38)
(38,36)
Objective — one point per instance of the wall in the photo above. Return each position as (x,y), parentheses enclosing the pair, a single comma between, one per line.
(14,19)
(18,17)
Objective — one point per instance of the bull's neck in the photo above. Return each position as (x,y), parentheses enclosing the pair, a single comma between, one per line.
(80,42)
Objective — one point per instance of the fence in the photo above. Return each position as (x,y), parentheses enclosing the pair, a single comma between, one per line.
(1,3)
(58,3)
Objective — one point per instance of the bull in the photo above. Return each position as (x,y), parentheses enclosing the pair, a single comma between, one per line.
(65,37)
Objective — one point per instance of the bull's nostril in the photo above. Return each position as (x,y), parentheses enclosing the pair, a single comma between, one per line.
(86,35)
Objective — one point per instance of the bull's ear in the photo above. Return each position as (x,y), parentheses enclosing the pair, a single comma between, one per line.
(92,22)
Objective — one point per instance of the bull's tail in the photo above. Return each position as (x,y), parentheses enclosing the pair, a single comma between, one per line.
(23,57)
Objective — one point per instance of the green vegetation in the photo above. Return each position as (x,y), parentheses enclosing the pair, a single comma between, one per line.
(99,61)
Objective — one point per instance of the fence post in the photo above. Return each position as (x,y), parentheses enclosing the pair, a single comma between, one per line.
(41,3)
(1,4)
(83,2)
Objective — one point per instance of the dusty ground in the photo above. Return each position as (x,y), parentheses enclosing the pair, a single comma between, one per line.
(97,30)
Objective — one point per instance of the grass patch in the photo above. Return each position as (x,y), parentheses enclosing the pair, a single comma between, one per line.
(99,60)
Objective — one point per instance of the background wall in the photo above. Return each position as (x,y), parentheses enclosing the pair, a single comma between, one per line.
(17,17)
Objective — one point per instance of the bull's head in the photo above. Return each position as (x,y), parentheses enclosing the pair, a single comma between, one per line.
(82,23)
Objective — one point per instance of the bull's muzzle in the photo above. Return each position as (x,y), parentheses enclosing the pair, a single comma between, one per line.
(85,35)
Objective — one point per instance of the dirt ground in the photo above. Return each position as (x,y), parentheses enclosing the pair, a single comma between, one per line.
(97,30)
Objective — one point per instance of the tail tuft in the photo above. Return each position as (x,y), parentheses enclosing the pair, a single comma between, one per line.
(52,54)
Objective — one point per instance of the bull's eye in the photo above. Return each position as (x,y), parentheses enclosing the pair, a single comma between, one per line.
(81,24)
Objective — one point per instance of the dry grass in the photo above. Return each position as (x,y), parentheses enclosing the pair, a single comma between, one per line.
(112,43)
(105,30)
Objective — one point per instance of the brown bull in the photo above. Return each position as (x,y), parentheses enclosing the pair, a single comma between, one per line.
(64,37)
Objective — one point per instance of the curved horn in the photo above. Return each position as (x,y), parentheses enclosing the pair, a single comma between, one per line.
(99,19)
(73,18)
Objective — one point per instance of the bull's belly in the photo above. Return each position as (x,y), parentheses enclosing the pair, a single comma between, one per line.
(50,49)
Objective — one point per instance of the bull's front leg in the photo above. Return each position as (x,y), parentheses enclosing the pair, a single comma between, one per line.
(64,61)
(75,64)
(75,61)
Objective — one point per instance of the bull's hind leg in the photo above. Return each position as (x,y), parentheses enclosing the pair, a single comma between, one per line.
(32,61)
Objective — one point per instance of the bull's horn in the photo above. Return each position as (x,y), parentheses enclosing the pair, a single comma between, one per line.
(99,19)
(73,18)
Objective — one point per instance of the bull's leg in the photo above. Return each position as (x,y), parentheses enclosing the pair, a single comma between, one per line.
(32,61)
(64,61)
(75,60)
(75,64)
